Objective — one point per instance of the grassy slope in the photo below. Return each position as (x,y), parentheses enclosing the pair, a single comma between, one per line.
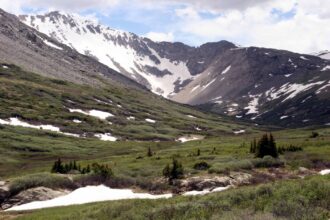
(294,199)
(36,99)
(42,100)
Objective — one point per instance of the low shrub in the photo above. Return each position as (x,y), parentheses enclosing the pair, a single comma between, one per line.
(267,161)
(201,166)
(40,179)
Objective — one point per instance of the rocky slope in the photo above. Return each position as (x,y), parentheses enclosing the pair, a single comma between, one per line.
(265,85)
(162,67)
(36,52)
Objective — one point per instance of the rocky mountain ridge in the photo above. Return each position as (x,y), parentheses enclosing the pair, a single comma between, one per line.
(261,84)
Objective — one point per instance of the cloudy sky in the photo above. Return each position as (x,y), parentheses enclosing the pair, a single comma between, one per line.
(297,25)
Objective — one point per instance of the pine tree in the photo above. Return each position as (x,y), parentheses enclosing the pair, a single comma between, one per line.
(173,172)
(272,146)
(58,167)
(70,165)
(149,154)
(198,152)
(266,146)
(167,171)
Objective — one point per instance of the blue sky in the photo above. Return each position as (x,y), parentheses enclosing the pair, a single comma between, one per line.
(297,25)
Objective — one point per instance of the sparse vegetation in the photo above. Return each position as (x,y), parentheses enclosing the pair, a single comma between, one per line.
(173,172)
(201,166)
(314,134)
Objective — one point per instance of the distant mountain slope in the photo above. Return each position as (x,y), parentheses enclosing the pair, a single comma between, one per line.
(163,67)
(265,85)
(273,86)
(36,52)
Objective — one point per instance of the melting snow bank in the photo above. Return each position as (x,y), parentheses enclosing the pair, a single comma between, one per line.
(106,137)
(206,191)
(190,138)
(95,113)
(88,194)
(17,122)
(325,172)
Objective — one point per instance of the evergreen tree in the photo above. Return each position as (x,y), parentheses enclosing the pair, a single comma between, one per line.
(177,169)
(58,166)
(266,146)
(88,169)
(173,172)
(272,146)
(74,165)
(149,154)
(70,165)
(198,152)
(167,171)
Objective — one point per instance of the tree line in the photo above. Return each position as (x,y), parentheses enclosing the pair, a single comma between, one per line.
(266,145)
(74,167)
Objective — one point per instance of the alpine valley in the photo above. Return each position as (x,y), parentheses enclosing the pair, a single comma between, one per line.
(97,123)
(265,85)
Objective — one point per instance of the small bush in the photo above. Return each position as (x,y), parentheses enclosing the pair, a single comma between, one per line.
(291,148)
(314,135)
(267,161)
(173,172)
(201,166)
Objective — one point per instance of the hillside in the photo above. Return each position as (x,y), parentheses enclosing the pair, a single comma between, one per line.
(86,111)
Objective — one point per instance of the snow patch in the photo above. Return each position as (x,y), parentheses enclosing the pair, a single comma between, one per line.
(239,132)
(131,118)
(106,137)
(226,70)
(76,121)
(208,84)
(17,122)
(205,191)
(253,105)
(88,194)
(52,45)
(326,68)
(187,138)
(5,67)
(150,120)
(323,87)
(95,113)
(290,90)
(303,58)
(325,172)
(193,89)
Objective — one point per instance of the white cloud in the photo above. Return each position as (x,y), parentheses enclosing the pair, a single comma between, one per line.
(298,25)
(159,37)
(16,6)
(302,30)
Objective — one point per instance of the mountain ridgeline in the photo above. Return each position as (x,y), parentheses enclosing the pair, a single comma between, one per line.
(263,85)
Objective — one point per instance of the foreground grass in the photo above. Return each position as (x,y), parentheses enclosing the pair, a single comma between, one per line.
(295,199)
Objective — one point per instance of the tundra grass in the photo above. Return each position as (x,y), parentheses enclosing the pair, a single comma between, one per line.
(295,199)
